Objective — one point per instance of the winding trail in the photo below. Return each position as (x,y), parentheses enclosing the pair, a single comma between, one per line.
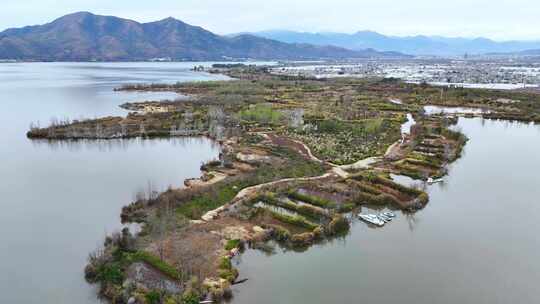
(252,191)
(336,171)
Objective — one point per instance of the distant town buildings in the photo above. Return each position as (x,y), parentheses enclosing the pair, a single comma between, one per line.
(501,74)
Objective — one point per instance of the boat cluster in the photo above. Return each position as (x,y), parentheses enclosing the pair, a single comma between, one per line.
(377,219)
(432,181)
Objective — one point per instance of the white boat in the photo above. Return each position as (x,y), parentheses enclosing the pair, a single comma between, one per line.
(372,219)
(432,181)
(389,214)
(385,218)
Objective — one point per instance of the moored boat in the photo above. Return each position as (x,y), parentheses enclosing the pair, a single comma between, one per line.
(372,219)
(389,214)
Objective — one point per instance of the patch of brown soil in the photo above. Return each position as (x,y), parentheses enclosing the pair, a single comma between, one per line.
(400,196)
(289,143)
(197,248)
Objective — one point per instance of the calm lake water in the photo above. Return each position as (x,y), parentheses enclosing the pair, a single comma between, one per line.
(477,241)
(59,200)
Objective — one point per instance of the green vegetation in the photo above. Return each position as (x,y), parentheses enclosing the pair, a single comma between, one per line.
(226,270)
(411,172)
(214,197)
(110,273)
(261,113)
(377,179)
(153,297)
(424,163)
(196,204)
(344,142)
(279,233)
(299,221)
(338,225)
(231,244)
(303,239)
(347,207)
(376,189)
(157,263)
(311,199)
(305,210)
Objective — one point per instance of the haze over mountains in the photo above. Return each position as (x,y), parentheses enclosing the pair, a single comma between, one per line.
(85,37)
(414,45)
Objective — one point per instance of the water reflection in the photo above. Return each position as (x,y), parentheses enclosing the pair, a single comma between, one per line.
(412,220)
(123,144)
(432,110)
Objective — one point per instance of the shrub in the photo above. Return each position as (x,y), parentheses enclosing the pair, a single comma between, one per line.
(423,198)
(303,239)
(110,273)
(155,262)
(368,188)
(293,220)
(225,263)
(231,244)
(307,210)
(226,270)
(153,297)
(311,211)
(318,233)
(279,233)
(347,207)
(190,299)
(314,200)
(410,171)
(338,225)
(262,114)
(379,199)
(376,179)
(418,162)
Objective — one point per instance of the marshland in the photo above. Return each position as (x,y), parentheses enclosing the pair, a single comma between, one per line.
(289,178)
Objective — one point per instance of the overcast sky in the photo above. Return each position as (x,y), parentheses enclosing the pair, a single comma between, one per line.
(497,19)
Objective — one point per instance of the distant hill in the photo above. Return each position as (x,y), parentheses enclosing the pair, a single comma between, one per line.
(415,45)
(84,37)
(530,52)
(525,53)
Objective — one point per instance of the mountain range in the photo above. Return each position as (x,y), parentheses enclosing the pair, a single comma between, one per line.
(87,37)
(414,45)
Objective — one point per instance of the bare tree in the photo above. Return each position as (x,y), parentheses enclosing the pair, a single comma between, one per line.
(164,226)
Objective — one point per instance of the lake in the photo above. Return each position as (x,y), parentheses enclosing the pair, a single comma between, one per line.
(475,242)
(59,200)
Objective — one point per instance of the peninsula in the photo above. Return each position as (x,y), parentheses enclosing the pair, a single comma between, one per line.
(299,157)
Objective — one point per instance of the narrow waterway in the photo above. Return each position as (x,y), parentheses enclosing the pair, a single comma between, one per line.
(475,242)
(406,127)
(430,110)
(59,199)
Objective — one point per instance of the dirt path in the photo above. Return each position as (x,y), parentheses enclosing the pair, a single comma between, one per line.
(296,145)
(339,171)
(249,191)
(362,164)
(198,182)
(395,101)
